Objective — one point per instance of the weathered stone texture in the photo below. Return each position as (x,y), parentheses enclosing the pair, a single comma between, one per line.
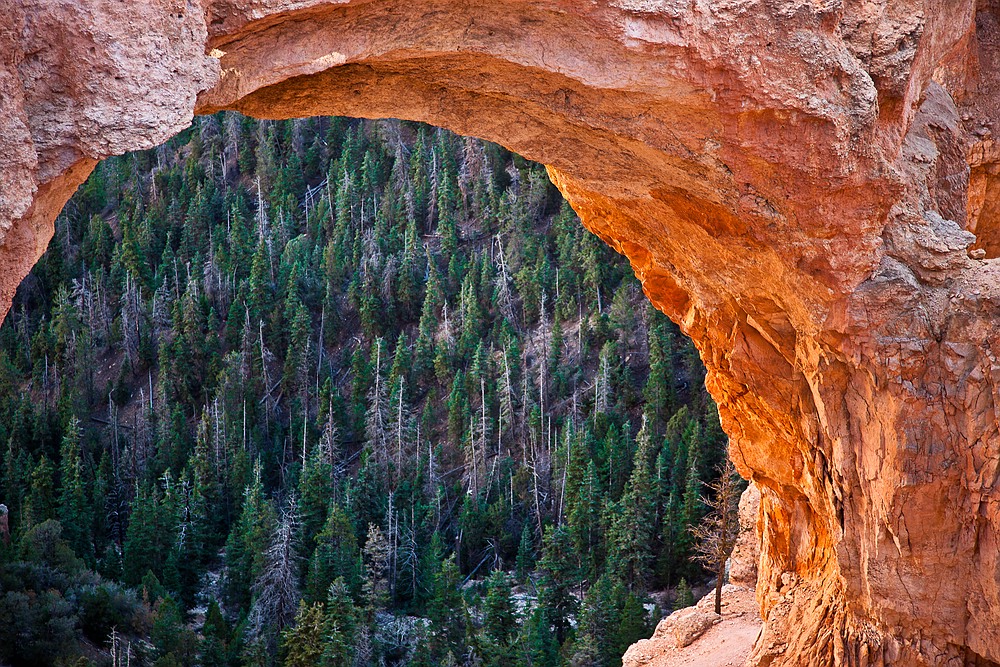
(798,183)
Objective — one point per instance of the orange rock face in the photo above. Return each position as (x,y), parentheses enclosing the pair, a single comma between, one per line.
(808,187)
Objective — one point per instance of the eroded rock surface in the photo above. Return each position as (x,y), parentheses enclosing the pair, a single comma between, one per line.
(743,562)
(685,625)
(808,187)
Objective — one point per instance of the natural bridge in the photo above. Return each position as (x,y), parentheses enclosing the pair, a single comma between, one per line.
(808,187)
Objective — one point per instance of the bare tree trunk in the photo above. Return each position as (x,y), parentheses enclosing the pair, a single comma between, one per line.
(720,577)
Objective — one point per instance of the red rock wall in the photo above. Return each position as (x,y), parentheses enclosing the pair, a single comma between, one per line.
(794,181)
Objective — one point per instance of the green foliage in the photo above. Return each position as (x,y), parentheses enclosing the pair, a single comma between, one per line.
(214,650)
(173,643)
(407,331)
(632,519)
(49,602)
(540,646)
(74,507)
(445,609)
(559,579)
(335,556)
(246,544)
(302,643)
(500,622)
(683,597)
(340,624)
(40,505)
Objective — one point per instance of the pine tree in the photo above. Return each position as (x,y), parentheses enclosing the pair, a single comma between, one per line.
(633,521)
(634,624)
(74,508)
(247,542)
(692,507)
(173,643)
(599,619)
(260,286)
(499,621)
(424,348)
(297,357)
(525,553)
(340,626)
(683,596)
(302,643)
(150,537)
(315,490)
(446,608)
(214,646)
(559,579)
(447,226)
(377,553)
(584,521)
(335,556)
(541,647)
(292,236)
(659,391)
(40,504)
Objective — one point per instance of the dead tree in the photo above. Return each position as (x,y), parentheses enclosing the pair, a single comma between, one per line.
(276,591)
(716,535)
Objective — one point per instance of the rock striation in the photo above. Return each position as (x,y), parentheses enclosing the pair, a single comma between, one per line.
(808,187)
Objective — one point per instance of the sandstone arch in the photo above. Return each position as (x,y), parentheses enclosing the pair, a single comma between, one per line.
(794,182)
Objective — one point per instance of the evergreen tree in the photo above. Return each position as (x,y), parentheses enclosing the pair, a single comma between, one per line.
(335,556)
(40,505)
(634,624)
(302,643)
(525,553)
(541,648)
(339,626)
(683,596)
(600,616)
(499,622)
(560,577)
(214,647)
(315,490)
(173,643)
(584,520)
(378,553)
(246,544)
(632,520)
(150,536)
(252,369)
(74,508)
(446,609)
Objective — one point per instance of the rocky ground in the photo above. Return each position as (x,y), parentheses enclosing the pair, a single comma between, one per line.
(697,637)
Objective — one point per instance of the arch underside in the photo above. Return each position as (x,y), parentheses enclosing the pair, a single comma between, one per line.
(797,185)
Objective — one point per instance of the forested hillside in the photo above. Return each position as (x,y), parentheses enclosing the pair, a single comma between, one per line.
(336,392)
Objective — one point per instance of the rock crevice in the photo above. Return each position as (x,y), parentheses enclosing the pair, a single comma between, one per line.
(806,187)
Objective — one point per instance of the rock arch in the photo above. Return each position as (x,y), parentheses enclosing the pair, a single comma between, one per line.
(796,183)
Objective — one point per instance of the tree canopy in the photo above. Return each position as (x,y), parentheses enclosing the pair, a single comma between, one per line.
(331,391)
